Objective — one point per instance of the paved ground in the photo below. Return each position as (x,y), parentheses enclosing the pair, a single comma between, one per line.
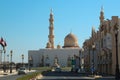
(12,76)
(57,76)
(72,76)
(2,74)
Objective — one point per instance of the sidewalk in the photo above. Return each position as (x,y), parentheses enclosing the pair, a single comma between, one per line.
(7,73)
(2,74)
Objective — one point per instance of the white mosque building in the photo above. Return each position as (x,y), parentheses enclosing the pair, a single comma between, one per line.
(51,56)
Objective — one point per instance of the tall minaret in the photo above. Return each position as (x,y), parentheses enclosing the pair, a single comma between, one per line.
(93,31)
(51,29)
(101,15)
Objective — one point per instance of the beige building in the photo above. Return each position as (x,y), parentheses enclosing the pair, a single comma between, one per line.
(103,56)
(52,56)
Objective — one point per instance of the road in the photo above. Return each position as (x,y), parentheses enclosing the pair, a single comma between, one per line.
(59,76)
(13,76)
(70,76)
(10,77)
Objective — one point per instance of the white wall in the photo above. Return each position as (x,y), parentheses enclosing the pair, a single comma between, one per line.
(119,44)
(62,55)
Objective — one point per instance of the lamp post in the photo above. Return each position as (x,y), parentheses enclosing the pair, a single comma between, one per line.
(73,64)
(80,52)
(116,40)
(0,57)
(11,61)
(93,47)
(8,58)
(8,64)
(22,59)
(29,63)
(82,66)
(4,65)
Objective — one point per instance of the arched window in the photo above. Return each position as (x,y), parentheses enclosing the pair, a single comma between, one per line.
(47,61)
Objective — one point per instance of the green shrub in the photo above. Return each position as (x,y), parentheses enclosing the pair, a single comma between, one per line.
(29,76)
(34,74)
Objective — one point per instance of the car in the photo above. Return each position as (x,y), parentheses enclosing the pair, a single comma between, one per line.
(57,69)
(75,69)
(21,70)
(52,69)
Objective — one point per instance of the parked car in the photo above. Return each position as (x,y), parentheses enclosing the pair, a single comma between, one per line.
(58,69)
(21,70)
(75,69)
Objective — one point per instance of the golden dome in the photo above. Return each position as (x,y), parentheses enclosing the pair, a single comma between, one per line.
(48,45)
(58,46)
(71,41)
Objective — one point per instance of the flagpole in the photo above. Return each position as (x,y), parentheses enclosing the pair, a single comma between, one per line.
(1,55)
(3,44)
(4,59)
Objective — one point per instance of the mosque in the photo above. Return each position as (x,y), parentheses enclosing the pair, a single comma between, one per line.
(51,56)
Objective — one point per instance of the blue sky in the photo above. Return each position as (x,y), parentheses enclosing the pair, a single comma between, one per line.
(24,23)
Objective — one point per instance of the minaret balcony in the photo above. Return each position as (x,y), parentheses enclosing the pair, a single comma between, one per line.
(51,36)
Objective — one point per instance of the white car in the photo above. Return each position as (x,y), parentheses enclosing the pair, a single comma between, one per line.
(21,70)
(57,69)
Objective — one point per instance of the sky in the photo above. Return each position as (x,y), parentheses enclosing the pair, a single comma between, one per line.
(24,24)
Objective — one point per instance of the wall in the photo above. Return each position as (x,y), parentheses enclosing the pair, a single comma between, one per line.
(62,55)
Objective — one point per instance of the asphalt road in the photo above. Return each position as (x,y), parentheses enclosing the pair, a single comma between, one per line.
(13,76)
(10,77)
(70,76)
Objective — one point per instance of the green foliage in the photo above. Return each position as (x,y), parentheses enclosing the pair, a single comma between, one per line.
(39,70)
(29,76)
(66,68)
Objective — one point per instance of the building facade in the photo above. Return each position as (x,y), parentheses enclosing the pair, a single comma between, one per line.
(103,57)
(55,56)
(48,57)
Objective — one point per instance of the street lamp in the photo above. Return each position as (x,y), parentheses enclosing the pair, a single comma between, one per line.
(80,52)
(4,66)
(81,59)
(0,57)
(11,61)
(8,58)
(22,59)
(8,64)
(93,47)
(29,62)
(116,40)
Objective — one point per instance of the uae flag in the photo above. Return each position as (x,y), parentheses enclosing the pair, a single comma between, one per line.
(3,42)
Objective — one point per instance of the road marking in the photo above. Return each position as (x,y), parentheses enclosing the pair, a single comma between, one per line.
(63,77)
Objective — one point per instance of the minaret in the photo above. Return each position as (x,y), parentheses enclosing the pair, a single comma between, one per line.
(101,15)
(51,30)
(93,31)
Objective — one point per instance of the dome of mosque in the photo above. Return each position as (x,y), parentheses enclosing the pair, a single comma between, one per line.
(58,46)
(48,45)
(71,41)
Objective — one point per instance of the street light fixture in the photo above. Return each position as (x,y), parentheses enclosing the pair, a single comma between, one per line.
(29,62)
(8,62)
(80,52)
(116,29)
(8,58)
(22,59)
(4,65)
(11,61)
(0,57)
(82,59)
(93,47)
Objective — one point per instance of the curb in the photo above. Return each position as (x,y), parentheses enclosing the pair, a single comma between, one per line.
(95,76)
(39,76)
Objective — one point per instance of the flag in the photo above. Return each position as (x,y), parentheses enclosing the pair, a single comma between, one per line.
(1,40)
(3,43)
